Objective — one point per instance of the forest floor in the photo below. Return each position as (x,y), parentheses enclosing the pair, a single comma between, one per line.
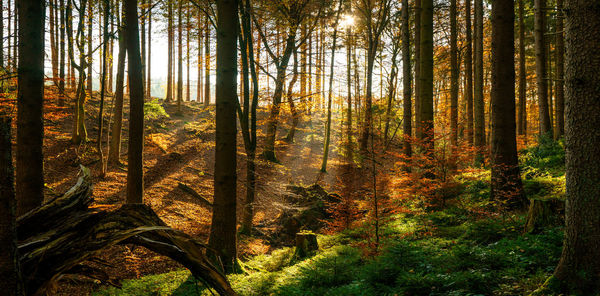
(179,148)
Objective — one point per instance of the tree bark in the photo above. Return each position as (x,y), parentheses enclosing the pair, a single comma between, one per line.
(406,80)
(169,96)
(206,62)
(417,16)
(135,170)
(506,178)
(10,280)
(114,149)
(478,100)
(223,236)
(560,71)
(453,75)
(545,127)
(522,115)
(426,74)
(179,57)
(579,269)
(30,101)
(469,71)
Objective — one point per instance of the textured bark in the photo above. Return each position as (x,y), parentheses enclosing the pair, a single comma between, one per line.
(469,71)
(417,16)
(169,96)
(135,170)
(406,79)
(114,148)
(579,268)
(149,61)
(545,127)
(30,98)
(2,34)
(478,100)
(90,45)
(179,57)
(506,178)
(223,236)
(522,115)
(426,74)
(453,75)
(206,62)
(62,52)
(9,264)
(560,72)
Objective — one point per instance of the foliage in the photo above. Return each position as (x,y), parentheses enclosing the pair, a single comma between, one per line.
(153,110)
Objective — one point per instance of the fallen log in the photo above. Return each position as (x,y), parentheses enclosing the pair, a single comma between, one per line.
(56,237)
(189,190)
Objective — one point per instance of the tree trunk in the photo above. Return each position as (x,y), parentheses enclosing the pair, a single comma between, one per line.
(53,45)
(135,170)
(199,81)
(560,71)
(10,281)
(149,61)
(103,85)
(114,149)
(349,41)
(169,96)
(417,16)
(426,74)
(406,80)
(453,75)
(30,101)
(506,177)
(223,227)
(290,97)
(179,57)
(206,62)
(545,126)
(478,100)
(2,34)
(522,116)
(90,46)
(579,269)
(469,71)
(62,52)
(187,52)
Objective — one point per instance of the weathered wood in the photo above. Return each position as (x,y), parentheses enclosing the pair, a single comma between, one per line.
(56,237)
(543,213)
(306,244)
(189,190)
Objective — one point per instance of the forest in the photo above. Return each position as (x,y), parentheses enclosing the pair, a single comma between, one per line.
(299,147)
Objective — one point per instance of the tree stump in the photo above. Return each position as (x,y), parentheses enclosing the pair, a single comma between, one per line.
(306,244)
(543,213)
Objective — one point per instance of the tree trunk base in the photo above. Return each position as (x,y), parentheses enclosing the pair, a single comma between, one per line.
(306,244)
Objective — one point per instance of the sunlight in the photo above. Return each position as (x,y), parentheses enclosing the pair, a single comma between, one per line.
(347,21)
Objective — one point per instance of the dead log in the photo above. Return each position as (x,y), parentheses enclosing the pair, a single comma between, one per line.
(189,190)
(58,236)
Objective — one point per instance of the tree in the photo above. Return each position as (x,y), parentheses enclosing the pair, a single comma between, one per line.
(522,115)
(578,271)
(169,96)
(478,101)
(469,71)
(506,177)
(560,71)
(9,263)
(30,101)
(540,67)
(179,56)
(114,148)
(135,169)
(453,75)
(376,17)
(406,79)
(426,74)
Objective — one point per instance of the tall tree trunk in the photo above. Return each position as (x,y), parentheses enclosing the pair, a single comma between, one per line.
(469,71)
(179,57)
(417,16)
(2,34)
(135,170)
(330,94)
(30,101)
(10,279)
(206,62)
(522,116)
(478,100)
(103,84)
(545,127)
(223,234)
(149,61)
(90,46)
(199,81)
(53,45)
(406,79)
(187,52)
(506,178)
(62,52)
(143,10)
(426,74)
(453,75)
(560,71)
(349,41)
(169,96)
(114,148)
(579,269)
(290,97)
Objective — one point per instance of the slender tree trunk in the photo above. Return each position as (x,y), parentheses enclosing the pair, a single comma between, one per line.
(223,234)
(469,71)
(453,75)
(143,16)
(426,72)
(290,97)
(522,116)
(545,126)
(114,150)
(62,51)
(149,60)
(10,279)
(330,94)
(417,16)
(506,178)
(135,170)
(103,85)
(53,45)
(349,40)
(199,84)
(2,34)
(169,96)
(560,71)
(187,52)
(30,101)
(478,100)
(579,269)
(206,62)
(406,79)
(179,57)
(90,46)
